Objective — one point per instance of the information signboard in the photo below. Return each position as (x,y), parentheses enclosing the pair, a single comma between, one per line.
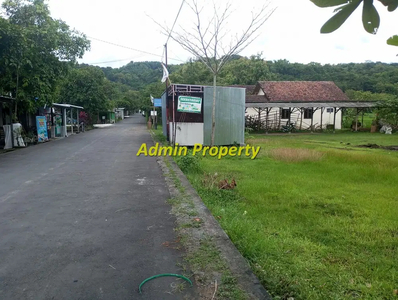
(157,102)
(189,104)
(41,124)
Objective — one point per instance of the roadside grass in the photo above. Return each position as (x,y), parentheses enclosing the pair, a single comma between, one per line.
(203,260)
(324,226)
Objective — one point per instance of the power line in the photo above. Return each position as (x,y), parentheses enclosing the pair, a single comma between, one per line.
(117,60)
(175,21)
(111,61)
(130,48)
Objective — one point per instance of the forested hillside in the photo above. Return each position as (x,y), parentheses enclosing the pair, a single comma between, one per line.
(372,77)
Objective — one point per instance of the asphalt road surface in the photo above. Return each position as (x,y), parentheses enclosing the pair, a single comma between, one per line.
(85,218)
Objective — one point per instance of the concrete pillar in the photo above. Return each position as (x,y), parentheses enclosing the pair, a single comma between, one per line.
(64,130)
(71,120)
(77,120)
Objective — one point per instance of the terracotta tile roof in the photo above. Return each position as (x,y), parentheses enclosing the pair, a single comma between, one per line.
(301,91)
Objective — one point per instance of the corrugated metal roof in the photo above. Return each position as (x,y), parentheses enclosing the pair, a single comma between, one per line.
(66,105)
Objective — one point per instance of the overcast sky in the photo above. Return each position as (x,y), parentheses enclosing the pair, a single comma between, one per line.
(292,32)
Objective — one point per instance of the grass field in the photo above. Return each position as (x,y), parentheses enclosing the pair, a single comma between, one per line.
(316,216)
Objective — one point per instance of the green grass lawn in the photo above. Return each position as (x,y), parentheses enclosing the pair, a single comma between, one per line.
(316,217)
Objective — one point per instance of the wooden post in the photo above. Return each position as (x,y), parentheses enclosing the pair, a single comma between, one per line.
(356,121)
(312,119)
(301,118)
(363,112)
(266,120)
(280,118)
(334,119)
(259,119)
(322,110)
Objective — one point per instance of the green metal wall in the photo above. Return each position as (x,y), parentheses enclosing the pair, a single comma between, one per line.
(230,115)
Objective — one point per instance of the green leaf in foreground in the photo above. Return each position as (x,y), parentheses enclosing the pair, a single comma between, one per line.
(328,3)
(393,40)
(370,17)
(339,18)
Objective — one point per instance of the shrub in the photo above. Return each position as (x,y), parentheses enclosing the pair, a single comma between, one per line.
(253,123)
(189,162)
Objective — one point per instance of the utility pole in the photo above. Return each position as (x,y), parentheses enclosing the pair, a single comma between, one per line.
(171,134)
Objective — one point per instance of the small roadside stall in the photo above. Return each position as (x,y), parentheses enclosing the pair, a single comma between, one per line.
(107,117)
(119,113)
(60,120)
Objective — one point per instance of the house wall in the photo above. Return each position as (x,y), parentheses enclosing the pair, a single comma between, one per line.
(275,120)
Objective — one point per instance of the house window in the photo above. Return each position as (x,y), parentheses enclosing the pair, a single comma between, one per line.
(329,110)
(308,112)
(285,113)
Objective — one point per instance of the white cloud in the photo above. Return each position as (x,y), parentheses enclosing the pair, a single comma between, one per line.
(292,33)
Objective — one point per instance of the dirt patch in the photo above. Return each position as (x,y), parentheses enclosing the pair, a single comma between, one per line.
(375,146)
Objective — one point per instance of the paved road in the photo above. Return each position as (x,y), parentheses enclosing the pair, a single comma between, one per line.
(85,218)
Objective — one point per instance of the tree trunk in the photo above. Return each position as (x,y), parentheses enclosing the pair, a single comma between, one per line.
(213,115)
(16,97)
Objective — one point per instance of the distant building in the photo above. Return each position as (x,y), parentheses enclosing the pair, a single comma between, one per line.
(119,113)
(307,104)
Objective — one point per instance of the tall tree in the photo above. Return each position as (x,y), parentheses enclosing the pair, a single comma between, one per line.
(86,87)
(36,50)
(208,41)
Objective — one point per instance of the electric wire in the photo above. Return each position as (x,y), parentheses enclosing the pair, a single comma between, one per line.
(175,21)
(130,48)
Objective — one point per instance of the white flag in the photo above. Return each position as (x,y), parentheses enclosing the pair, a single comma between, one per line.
(151,98)
(165,73)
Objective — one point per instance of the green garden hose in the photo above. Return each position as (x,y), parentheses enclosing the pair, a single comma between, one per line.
(163,275)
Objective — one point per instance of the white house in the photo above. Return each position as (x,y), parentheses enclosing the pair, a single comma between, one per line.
(308,104)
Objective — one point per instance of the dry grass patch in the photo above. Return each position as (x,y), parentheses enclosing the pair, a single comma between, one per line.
(295,155)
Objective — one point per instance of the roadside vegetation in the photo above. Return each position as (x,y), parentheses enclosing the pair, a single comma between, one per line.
(315,215)
(203,261)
